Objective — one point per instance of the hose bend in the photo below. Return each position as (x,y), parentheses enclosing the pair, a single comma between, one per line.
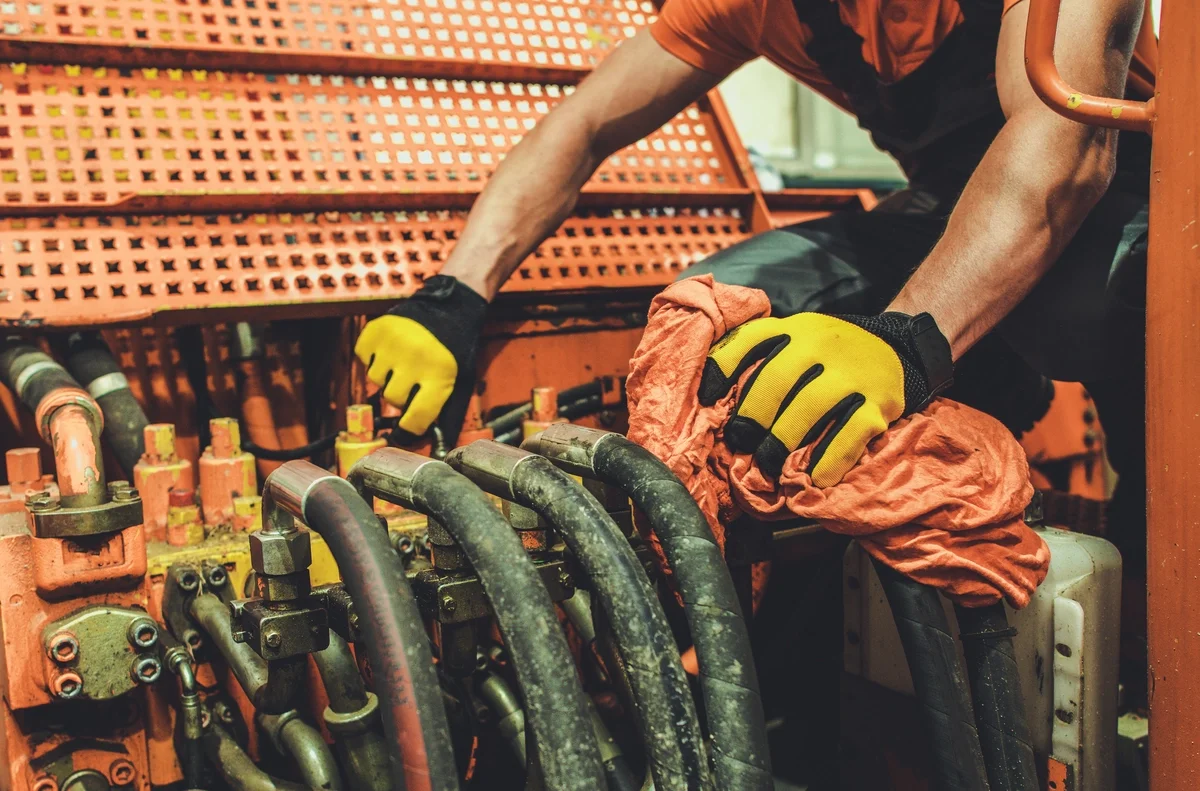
(237,769)
(68,419)
(271,687)
(556,709)
(414,717)
(307,748)
(938,681)
(352,717)
(667,714)
(996,692)
(91,361)
(736,724)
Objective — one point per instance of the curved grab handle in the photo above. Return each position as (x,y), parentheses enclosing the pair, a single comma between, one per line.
(1052,89)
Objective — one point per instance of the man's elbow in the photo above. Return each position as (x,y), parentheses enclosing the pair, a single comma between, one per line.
(1097,166)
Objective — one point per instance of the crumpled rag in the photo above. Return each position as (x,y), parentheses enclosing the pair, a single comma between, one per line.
(939,497)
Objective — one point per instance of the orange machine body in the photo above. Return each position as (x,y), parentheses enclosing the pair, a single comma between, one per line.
(159,471)
(226,472)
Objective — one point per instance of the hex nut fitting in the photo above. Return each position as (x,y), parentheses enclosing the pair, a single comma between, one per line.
(280,553)
(122,772)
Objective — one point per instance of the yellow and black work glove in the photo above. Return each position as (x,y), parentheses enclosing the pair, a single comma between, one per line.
(852,375)
(422,353)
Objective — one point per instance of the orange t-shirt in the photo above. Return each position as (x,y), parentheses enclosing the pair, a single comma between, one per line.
(718,36)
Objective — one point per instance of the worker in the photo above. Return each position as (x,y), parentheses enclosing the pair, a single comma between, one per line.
(1015,254)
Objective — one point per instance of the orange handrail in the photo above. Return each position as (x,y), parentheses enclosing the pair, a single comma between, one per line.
(1052,89)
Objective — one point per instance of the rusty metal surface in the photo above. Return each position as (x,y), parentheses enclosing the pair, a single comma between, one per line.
(82,270)
(1172,410)
(497,38)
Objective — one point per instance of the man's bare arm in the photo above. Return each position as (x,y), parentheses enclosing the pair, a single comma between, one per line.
(634,91)
(1038,181)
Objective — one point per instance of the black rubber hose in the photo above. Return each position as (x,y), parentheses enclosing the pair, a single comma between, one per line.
(736,724)
(557,718)
(31,384)
(938,681)
(398,647)
(663,701)
(92,363)
(1000,711)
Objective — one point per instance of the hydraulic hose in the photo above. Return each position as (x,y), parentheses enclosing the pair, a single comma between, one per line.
(556,708)
(271,687)
(190,721)
(306,747)
(666,712)
(414,717)
(237,769)
(938,681)
(67,417)
(92,363)
(996,692)
(353,718)
(736,724)
(510,718)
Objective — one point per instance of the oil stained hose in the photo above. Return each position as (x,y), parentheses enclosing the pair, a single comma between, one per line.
(558,726)
(938,681)
(414,716)
(996,691)
(733,708)
(667,714)
(90,361)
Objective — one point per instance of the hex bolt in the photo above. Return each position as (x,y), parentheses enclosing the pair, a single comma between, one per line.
(449,604)
(67,685)
(125,495)
(274,640)
(225,715)
(143,633)
(40,502)
(64,648)
(564,579)
(193,639)
(122,772)
(146,669)
(216,576)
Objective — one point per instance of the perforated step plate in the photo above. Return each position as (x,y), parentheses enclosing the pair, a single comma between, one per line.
(70,271)
(549,40)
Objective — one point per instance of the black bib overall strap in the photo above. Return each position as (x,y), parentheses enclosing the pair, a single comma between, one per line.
(938,120)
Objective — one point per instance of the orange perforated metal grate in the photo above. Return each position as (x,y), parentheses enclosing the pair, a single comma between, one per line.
(554,39)
(79,270)
(74,138)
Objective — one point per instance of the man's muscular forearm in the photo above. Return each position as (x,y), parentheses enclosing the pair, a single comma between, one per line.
(1038,181)
(1021,207)
(633,92)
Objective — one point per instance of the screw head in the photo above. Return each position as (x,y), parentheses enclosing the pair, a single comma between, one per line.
(125,495)
(63,648)
(274,640)
(67,685)
(449,604)
(147,669)
(41,502)
(143,633)
(187,579)
(216,576)
(564,579)
(193,638)
(122,772)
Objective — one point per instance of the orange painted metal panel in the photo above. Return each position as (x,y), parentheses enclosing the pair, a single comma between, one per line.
(500,39)
(79,139)
(90,270)
(1172,408)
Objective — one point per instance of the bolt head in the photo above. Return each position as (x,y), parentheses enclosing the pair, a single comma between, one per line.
(193,638)
(122,772)
(63,648)
(274,640)
(67,685)
(449,604)
(146,669)
(143,633)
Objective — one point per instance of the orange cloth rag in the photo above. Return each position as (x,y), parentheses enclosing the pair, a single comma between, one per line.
(939,497)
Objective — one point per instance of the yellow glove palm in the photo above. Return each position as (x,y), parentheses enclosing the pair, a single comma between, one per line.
(846,378)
